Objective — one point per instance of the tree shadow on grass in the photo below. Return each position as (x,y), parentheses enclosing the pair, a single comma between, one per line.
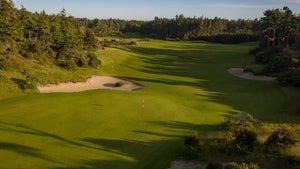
(23,129)
(22,150)
(209,67)
(135,154)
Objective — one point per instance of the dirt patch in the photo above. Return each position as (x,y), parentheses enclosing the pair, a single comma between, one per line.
(239,72)
(92,83)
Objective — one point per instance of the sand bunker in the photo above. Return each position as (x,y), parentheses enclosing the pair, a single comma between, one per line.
(239,72)
(94,82)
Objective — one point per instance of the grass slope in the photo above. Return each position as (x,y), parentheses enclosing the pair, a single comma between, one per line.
(187,89)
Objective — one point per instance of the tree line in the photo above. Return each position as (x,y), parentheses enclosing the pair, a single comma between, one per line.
(202,28)
(69,42)
(279,46)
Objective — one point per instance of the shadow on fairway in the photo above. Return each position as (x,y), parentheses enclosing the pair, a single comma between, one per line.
(135,149)
(264,100)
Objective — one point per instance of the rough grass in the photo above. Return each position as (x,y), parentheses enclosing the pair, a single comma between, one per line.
(187,89)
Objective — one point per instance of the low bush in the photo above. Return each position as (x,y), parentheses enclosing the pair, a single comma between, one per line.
(71,58)
(265,56)
(291,78)
(278,63)
(93,60)
(192,139)
(23,84)
(239,122)
(282,139)
(245,141)
(192,146)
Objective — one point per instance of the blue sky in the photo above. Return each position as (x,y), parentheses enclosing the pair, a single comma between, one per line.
(148,9)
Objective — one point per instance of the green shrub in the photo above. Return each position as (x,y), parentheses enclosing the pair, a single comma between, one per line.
(23,84)
(245,141)
(192,147)
(214,165)
(234,165)
(278,63)
(192,139)
(267,54)
(282,138)
(291,78)
(71,58)
(239,122)
(93,60)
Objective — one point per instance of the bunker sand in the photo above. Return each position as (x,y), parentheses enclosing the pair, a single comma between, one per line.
(239,72)
(92,83)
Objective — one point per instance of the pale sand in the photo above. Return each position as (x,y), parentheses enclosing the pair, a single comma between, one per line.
(239,72)
(94,82)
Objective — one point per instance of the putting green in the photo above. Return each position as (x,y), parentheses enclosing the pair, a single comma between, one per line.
(187,89)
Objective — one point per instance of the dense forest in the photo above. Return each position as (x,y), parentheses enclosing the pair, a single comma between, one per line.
(201,28)
(69,42)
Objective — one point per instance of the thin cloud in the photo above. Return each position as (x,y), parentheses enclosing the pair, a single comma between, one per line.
(236,6)
(292,1)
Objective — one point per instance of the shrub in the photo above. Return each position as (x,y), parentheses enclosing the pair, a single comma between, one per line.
(93,60)
(291,78)
(192,139)
(31,81)
(239,122)
(234,165)
(278,63)
(23,84)
(214,165)
(267,54)
(192,147)
(245,141)
(70,58)
(282,138)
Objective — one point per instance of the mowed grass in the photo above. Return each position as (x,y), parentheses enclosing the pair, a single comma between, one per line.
(187,89)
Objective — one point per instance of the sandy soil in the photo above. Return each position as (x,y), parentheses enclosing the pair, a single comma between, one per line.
(94,82)
(239,72)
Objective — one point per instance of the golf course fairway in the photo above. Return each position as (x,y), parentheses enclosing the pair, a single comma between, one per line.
(187,88)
